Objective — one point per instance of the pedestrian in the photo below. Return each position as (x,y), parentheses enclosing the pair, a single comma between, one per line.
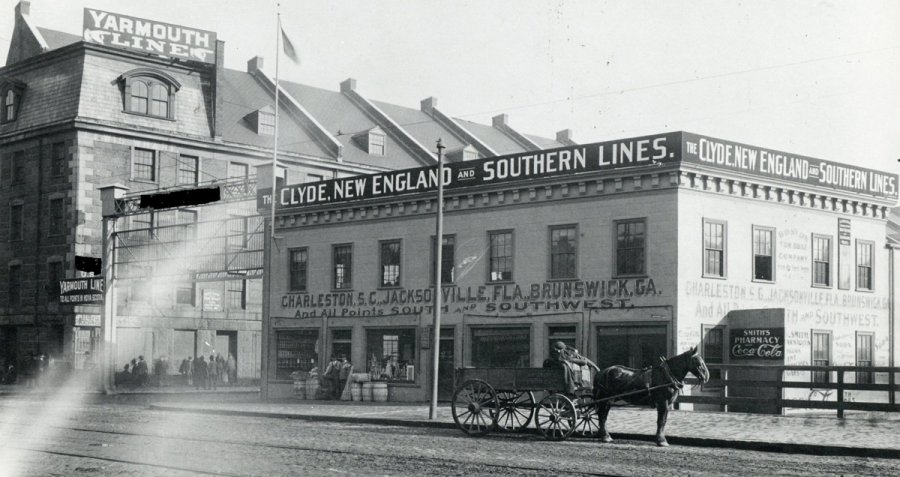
(231,366)
(220,365)
(213,370)
(186,370)
(141,371)
(346,370)
(200,372)
(333,377)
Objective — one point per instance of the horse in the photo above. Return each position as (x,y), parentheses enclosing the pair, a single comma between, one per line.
(657,385)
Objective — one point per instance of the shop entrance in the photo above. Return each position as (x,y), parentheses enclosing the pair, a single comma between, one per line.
(446,365)
(501,347)
(634,346)
(226,343)
(85,346)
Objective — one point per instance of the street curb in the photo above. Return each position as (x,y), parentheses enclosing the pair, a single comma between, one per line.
(784,448)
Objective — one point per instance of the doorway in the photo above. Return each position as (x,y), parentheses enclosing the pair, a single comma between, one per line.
(446,365)
(631,345)
(226,344)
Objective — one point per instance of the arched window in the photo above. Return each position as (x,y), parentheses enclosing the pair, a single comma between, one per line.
(139,97)
(150,92)
(159,101)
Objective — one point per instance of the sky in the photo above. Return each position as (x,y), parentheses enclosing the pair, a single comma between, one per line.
(816,78)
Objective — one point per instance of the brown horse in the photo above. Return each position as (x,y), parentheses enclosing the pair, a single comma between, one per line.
(657,386)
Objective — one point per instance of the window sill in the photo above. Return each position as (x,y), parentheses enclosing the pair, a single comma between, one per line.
(149,116)
(504,282)
(567,279)
(624,276)
(767,282)
(144,181)
(341,290)
(865,290)
(715,277)
(389,287)
(826,287)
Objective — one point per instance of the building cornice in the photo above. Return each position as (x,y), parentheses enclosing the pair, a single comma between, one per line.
(587,186)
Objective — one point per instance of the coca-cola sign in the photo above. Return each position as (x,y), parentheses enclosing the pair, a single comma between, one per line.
(757,343)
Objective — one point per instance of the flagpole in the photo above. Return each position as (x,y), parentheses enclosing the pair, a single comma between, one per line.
(275,142)
(438,256)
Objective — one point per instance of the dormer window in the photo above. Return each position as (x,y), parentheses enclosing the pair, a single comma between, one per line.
(150,92)
(262,121)
(11,97)
(372,141)
(376,144)
(465,153)
(9,106)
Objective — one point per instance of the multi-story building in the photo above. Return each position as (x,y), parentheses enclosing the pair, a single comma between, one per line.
(119,105)
(627,250)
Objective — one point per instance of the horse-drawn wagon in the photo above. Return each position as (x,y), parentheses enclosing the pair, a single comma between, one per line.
(509,399)
(505,398)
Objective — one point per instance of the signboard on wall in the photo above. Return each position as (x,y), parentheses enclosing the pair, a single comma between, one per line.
(81,291)
(845,268)
(212,300)
(786,166)
(757,343)
(87,319)
(655,150)
(611,155)
(149,36)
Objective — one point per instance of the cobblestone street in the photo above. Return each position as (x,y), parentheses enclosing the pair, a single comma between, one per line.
(65,437)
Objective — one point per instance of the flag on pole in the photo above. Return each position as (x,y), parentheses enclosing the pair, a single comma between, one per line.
(289,47)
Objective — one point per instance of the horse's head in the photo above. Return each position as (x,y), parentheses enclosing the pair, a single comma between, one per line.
(697,366)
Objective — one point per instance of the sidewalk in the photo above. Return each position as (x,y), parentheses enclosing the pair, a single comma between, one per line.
(817,435)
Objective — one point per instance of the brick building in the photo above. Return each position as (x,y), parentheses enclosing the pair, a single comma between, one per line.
(626,250)
(78,115)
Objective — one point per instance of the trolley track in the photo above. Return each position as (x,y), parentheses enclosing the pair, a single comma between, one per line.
(288,447)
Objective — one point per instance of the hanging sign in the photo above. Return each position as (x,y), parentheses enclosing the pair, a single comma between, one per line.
(149,36)
(757,343)
(81,291)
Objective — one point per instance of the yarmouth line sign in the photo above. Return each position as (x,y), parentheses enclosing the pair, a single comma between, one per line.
(81,291)
(149,36)
(655,150)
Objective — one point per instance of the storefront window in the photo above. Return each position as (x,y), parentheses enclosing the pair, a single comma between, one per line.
(391,354)
(341,343)
(501,347)
(296,350)
(566,334)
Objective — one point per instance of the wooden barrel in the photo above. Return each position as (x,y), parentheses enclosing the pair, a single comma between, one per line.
(312,386)
(379,392)
(360,377)
(300,389)
(356,391)
(367,391)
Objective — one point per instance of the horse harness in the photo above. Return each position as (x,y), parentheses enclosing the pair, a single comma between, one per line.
(664,366)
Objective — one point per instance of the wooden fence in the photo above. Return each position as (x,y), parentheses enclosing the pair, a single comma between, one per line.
(834,377)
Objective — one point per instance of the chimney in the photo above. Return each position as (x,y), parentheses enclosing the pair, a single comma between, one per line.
(565,137)
(500,120)
(23,8)
(255,64)
(348,85)
(428,104)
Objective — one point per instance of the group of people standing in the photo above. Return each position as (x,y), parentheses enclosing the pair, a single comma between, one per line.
(208,374)
(135,372)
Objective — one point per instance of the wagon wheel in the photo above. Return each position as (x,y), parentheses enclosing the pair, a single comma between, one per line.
(475,407)
(515,411)
(556,417)
(588,419)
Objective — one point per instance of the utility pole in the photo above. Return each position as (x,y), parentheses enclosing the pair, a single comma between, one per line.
(438,255)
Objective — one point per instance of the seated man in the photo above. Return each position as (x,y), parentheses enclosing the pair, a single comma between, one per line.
(571,361)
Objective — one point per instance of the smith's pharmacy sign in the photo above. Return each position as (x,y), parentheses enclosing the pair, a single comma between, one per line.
(165,39)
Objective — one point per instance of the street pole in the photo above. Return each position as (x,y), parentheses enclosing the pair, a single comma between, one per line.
(439,246)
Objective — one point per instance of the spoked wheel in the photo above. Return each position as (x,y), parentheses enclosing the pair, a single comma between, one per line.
(475,407)
(515,411)
(588,418)
(556,417)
